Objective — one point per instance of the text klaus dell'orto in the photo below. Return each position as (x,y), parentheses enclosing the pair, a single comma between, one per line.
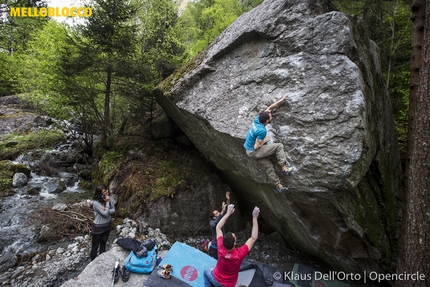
(344,276)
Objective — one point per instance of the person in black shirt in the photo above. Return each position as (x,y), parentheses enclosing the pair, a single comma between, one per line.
(215,217)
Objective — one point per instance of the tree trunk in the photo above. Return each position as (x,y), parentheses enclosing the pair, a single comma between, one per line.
(105,126)
(415,245)
(418,21)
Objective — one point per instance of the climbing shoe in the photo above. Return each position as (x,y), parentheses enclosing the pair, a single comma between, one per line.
(125,274)
(166,267)
(165,274)
(116,273)
(287,171)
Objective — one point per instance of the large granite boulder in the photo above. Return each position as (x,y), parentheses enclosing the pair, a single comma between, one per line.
(336,126)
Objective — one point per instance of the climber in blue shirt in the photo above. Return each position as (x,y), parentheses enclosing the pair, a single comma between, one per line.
(257,147)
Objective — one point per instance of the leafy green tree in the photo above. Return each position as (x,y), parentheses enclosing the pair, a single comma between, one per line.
(189,23)
(14,35)
(220,15)
(15,31)
(161,48)
(39,62)
(202,21)
(7,78)
(160,41)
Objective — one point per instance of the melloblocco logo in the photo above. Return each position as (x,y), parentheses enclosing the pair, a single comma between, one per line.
(189,273)
(51,12)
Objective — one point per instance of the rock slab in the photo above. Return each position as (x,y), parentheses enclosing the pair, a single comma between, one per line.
(99,271)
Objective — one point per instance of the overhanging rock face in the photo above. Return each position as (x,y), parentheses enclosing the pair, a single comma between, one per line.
(336,127)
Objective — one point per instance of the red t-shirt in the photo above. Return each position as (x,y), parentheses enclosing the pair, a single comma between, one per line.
(227,267)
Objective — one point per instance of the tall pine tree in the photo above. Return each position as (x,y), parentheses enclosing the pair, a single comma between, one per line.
(415,243)
(114,61)
(97,56)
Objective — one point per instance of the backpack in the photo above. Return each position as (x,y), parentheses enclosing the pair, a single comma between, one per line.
(149,244)
(143,265)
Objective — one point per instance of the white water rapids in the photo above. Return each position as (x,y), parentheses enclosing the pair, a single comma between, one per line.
(17,234)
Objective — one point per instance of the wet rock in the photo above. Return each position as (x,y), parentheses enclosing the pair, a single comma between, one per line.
(23,169)
(76,143)
(11,144)
(69,178)
(46,233)
(7,261)
(42,121)
(60,185)
(60,206)
(10,100)
(19,180)
(33,191)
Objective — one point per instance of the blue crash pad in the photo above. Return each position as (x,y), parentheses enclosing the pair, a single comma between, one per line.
(188,263)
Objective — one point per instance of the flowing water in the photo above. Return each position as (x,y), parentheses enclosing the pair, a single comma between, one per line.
(17,234)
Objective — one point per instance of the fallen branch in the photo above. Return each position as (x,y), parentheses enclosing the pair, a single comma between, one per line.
(76,220)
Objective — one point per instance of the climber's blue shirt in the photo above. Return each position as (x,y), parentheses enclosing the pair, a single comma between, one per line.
(256,131)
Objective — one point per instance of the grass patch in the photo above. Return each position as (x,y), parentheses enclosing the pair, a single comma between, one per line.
(170,177)
(108,166)
(7,170)
(14,145)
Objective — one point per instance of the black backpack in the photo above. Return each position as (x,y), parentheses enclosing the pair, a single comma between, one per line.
(149,244)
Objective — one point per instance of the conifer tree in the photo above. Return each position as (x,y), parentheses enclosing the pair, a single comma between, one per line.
(114,61)
(415,236)
(97,56)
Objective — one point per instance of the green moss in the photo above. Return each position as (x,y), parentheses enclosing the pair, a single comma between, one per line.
(154,169)
(23,169)
(172,80)
(14,144)
(363,207)
(170,177)
(7,170)
(7,167)
(108,166)
(5,184)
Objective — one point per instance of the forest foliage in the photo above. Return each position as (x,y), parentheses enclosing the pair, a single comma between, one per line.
(102,71)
